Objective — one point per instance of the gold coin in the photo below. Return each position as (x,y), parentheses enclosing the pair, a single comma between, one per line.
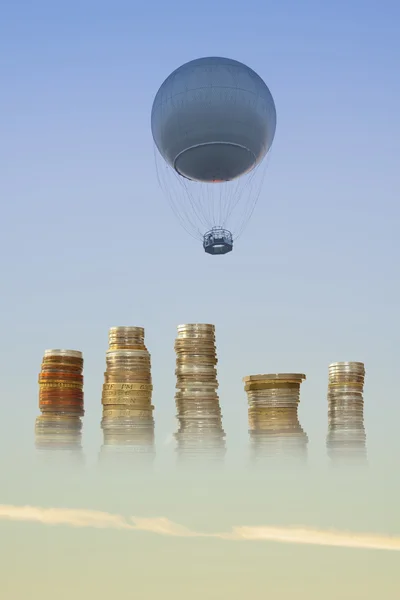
(127,393)
(110,380)
(267,410)
(271,385)
(135,376)
(126,347)
(126,329)
(137,402)
(127,386)
(294,377)
(144,394)
(142,402)
(268,386)
(347,383)
(206,326)
(272,410)
(61,384)
(127,412)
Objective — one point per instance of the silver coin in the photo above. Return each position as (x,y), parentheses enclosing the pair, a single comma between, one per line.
(60,352)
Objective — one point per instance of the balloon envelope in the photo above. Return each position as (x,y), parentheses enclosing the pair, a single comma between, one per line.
(213,120)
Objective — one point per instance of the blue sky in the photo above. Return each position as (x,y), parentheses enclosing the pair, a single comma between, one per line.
(88,240)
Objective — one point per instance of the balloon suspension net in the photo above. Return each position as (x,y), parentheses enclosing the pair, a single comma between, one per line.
(222,210)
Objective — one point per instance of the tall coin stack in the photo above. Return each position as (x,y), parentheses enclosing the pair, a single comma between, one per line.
(346,439)
(60,402)
(128,424)
(200,433)
(274,428)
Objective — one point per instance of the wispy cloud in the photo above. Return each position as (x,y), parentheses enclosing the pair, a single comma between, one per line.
(163,526)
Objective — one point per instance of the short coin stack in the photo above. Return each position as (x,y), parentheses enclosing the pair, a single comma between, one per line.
(61,383)
(200,433)
(274,428)
(127,423)
(346,434)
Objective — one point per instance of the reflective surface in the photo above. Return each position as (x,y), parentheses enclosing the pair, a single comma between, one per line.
(177,532)
(106,510)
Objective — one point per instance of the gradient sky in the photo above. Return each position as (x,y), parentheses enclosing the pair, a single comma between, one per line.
(88,240)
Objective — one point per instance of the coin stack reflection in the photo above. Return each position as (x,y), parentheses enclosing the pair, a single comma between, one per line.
(346,440)
(57,435)
(128,424)
(60,402)
(274,428)
(200,434)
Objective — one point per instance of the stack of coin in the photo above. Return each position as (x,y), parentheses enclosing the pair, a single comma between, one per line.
(274,428)
(200,433)
(61,383)
(126,338)
(346,434)
(127,390)
(59,434)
